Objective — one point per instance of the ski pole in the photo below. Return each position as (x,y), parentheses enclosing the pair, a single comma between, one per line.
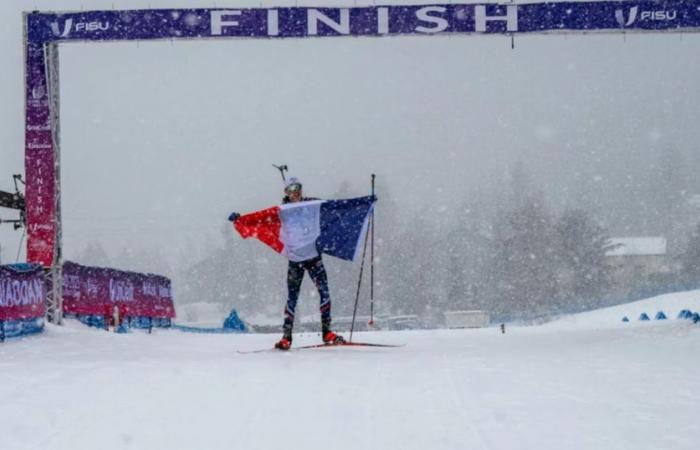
(371,264)
(282,168)
(362,266)
(359,284)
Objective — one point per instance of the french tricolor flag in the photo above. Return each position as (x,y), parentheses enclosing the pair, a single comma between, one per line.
(301,230)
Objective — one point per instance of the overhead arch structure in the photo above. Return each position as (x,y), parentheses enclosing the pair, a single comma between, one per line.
(45,31)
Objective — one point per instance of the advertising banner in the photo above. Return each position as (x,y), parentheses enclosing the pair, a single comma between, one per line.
(364,21)
(96,290)
(22,292)
(39,159)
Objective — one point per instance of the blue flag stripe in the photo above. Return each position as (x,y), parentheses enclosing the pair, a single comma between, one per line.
(342,223)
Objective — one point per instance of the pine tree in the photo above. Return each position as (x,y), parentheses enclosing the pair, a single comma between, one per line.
(94,255)
(469,251)
(523,272)
(669,187)
(583,245)
(690,259)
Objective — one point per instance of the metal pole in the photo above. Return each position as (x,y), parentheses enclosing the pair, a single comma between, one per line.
(359,284)
(371,263)
(55,312)
(362,266)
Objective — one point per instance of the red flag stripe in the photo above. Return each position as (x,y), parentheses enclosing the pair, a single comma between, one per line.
(264,225)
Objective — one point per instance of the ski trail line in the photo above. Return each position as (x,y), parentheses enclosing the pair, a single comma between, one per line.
(369,409)
(466,413)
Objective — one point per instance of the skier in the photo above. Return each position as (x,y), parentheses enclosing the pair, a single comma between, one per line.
(295,275)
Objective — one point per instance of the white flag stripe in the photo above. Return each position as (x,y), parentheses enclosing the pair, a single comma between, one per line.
(300,229)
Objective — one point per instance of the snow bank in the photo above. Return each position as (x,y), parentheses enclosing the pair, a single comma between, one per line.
(670,304)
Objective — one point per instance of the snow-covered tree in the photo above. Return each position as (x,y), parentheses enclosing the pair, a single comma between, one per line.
(582,246)
(94,255)
(690,259)
(523,271)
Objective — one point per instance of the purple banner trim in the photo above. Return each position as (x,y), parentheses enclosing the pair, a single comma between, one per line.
(364,21)
(96,290)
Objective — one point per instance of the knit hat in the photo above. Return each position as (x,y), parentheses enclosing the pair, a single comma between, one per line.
(290,181)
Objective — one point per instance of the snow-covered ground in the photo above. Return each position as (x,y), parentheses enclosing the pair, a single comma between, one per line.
(583,382)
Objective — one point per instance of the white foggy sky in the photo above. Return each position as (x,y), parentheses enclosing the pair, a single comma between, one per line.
(160,140)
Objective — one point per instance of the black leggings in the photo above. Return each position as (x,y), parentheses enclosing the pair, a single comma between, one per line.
(295,275)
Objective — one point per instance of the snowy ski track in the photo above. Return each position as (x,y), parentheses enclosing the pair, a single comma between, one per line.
(557,386)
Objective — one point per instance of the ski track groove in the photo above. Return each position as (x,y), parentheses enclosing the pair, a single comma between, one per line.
(466,413)
(370,413)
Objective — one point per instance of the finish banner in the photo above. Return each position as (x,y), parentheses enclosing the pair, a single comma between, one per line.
(365,21)
(95,291)
(22,292)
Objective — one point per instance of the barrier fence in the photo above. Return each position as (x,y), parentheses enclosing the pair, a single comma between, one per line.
(96,295)
(22,300)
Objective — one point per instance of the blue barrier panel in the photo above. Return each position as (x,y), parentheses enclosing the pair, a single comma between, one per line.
(685,314)
(143,323)
(17,328)
(233,322)
(203,330)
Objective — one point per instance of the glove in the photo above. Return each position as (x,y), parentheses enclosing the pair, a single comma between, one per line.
(233,216)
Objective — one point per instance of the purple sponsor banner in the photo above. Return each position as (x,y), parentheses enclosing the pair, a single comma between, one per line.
(96,290)
(364,21)
(22,292)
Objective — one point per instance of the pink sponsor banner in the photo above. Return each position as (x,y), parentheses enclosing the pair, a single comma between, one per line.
(96,290)
(22,292)
(39,160)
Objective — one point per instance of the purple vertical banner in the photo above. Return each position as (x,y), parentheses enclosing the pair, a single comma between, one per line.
(39,159)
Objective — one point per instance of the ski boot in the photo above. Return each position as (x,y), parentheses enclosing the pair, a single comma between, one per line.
(284,344)
(331,338)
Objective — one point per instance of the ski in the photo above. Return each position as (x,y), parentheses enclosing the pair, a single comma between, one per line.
(273,349)
(312,346)
(347,344)
(367,344)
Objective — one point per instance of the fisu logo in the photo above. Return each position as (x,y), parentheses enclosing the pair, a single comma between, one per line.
(643,16)
(658,15)
(79,27)
(38,92)
(67,26)
(620,16)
